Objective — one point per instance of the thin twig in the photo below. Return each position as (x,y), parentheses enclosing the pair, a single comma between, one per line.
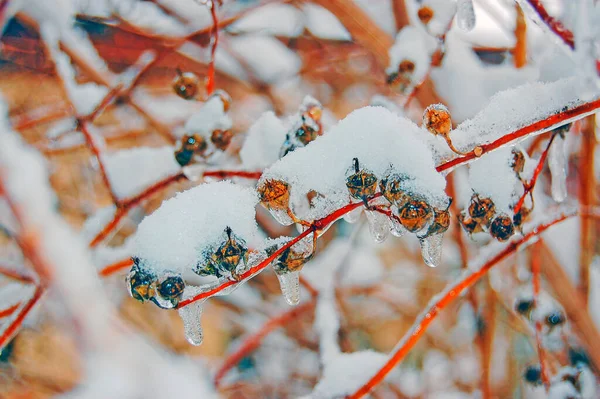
(587,190)
(536,268)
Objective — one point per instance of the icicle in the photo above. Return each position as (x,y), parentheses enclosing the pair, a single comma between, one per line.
(354,215)
(465,15)
(557,162)
(290,286)
(379,225)
(191,315)
(431,249)
(396,227)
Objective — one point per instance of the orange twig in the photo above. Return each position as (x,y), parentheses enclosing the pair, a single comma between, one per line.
(10,310)
(253,341)
(210,78)
(440,302)
(115,267)
(528,187)
(587,189)
(9,333)
(535,280)
(520,53)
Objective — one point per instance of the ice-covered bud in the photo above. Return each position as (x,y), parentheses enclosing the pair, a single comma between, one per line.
(169,290)
(481,210)
(361,183)
(186,85)
(437,120)
(502,228)
(191,147)
(469,224)
(224,260)
(415,215)
(224,97)
(533,374)
(425,14)
(403,77)
(524,306)
(555,319)
(275,196)
(392,188)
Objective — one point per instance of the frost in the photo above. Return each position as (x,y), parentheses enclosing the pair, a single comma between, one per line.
(558,162)
(131,171)
(176,234)
(356,137)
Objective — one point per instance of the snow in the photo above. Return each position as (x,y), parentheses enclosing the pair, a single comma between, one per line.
(492,177)
(263,141)
(323,24)
(359,135)
(210,117)
(176,234)
(133,170)
(271,19)
(443,12)
(269,59)
(148,16)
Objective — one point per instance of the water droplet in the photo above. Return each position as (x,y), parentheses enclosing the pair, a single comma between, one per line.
(396,228)
(557,162)
(354,215)
(379,225)
(431,249)
(191,315)
(290,287)
(465,15)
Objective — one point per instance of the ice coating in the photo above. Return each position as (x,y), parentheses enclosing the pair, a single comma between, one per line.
(379,139)
(176,234)
(290,287)
(191,315)
(132,170)
(492,177)
(263,141)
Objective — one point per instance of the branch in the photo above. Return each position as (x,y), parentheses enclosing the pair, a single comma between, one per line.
(536,268)
(561,118)
(441,301)
(587,189)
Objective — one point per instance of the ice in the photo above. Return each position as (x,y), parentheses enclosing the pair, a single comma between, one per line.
(191,315)
(263,141)
(465,15)
(369,134)
(176,234)
(557,162)
(379,225)
(396,228)
(354,215)
(131,171)
(431,249)
(290,286)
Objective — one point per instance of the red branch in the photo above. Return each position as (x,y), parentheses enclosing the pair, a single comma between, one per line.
(536,268)
(555,119)
(115,267)
(528,187)
(554,24)
(317,225)
(210,77)
(10,310)
(253,341)
(14,326)
(452,292)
